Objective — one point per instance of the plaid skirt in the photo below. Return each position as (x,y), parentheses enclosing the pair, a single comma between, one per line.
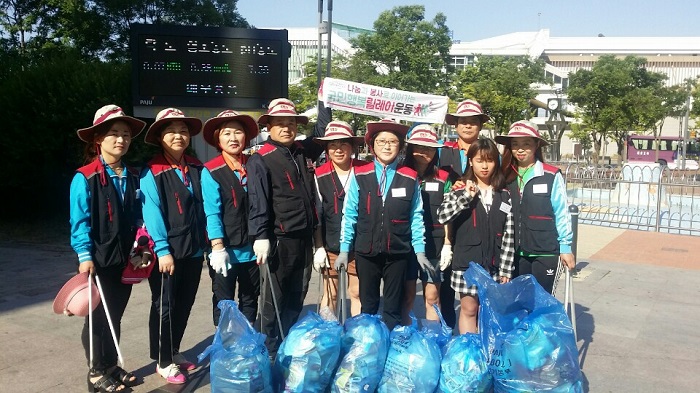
(459,284)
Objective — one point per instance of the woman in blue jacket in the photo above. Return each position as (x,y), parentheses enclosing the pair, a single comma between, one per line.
(383,218)
(225,192)
(174,216)
(104,215)
(543,233)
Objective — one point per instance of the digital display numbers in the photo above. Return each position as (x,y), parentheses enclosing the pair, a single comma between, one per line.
(209,67)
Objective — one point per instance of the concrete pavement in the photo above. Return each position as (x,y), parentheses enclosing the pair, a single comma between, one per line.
(637,295)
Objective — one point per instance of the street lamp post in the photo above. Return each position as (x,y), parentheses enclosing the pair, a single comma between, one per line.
(556,123)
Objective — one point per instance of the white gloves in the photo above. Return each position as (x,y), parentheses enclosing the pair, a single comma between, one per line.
(321,259)
(261,248)
(445,257)
(220,261)
(425,264)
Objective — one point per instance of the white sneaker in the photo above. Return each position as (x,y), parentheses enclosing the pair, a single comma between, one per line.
(184,364)
(172,374)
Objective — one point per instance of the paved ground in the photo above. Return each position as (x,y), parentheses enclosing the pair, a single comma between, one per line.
(637,294)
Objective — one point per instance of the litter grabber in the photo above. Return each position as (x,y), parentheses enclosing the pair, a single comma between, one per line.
(109,322)
(341,295)
(321,289)
(266,267)
(171,375)
(569,303)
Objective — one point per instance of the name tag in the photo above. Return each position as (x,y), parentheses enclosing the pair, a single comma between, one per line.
(539,188)
(432,186)
(398,192)
(505,208)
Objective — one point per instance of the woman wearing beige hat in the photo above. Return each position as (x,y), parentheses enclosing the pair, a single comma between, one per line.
(104,214)
(543,234)
(225,191)
(332,182)
(422,156)
(174,216)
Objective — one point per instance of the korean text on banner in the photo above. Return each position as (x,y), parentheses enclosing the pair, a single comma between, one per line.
(383,102)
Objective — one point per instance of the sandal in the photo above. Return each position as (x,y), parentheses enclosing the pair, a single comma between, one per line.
(105,384)
(126,378)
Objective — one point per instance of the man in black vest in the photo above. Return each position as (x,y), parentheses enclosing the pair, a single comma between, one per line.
(282,217)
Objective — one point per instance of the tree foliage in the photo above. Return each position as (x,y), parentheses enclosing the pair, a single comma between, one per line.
(615,97)
(61,61)
(406,52)
(503,87)
(100,28)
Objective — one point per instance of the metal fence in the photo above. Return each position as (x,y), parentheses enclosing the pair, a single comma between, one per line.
(633,196)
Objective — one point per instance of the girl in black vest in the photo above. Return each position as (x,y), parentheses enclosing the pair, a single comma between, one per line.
(332,182)
(383,222)
(174,216)
(225,192)
(104,215)
(543,233)
(482,226)
(421,155)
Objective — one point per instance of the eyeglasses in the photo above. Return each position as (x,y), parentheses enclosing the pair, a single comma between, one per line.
(384,142)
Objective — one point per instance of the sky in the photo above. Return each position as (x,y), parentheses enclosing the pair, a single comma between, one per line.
(470,20)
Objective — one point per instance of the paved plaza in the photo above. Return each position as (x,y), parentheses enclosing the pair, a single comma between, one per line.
(637,294)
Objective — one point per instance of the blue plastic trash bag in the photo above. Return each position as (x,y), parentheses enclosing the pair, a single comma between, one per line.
(239,359)
(464,367)
(413,363)
(438,331)
(528,337)
(365,345)
(308,356)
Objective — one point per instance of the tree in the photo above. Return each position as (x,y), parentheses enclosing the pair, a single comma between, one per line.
(615,97)
(405,52)
(503,87)
(101,28)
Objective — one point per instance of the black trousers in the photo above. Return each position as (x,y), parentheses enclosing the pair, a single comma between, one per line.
(544,268)
(179,292)
(290,270)
(371,271)
(247,275)
(447,299)
(116,296)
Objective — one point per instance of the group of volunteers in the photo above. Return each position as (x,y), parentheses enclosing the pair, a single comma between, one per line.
(384,223)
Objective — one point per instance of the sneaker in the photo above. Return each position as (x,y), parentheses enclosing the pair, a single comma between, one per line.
(184,364)
(172,374)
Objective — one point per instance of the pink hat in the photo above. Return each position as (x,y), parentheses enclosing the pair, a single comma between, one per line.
(467,108)
(519,129)
(165,116)
(74,296)
(424,135)
(282,107)
(104,118)
(390,125)
(336,130)
(210,126)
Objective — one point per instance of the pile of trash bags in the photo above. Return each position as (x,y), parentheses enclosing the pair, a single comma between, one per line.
(413,361)
(308,356)
(525,343)
(365,346)
(239,358)
(526,335)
